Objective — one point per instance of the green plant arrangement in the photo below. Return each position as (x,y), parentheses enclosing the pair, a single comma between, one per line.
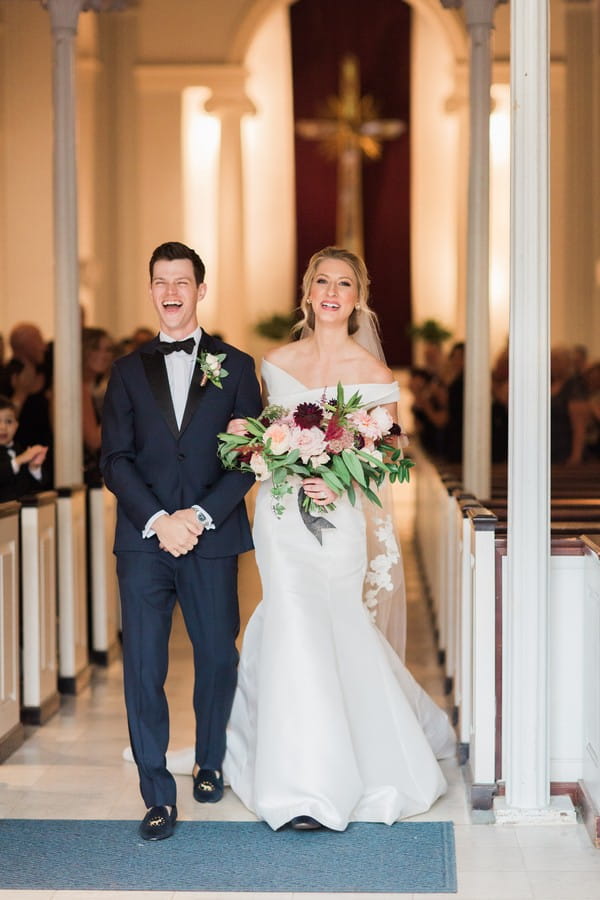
(431,331)
(276,327)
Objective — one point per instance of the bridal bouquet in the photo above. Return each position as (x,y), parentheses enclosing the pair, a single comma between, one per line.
(335,439)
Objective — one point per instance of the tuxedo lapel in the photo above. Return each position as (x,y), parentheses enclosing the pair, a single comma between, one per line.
(197,393)
(156,373)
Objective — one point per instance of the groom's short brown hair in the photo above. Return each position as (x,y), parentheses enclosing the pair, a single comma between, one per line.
(175,250)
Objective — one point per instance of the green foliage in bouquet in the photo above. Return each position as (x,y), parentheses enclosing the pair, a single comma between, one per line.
(336,440)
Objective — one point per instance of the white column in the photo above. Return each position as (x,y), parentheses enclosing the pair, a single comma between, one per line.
(525,664)
(230,104)
(581,153)
(67,344)
(595,349)
(477,408)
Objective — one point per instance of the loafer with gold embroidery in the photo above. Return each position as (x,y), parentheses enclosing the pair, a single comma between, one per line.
(208,786)
(158,823)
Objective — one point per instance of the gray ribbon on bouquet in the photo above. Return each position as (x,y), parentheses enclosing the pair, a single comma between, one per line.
(315,524)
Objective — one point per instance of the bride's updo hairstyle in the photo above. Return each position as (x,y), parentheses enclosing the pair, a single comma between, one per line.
(364,312)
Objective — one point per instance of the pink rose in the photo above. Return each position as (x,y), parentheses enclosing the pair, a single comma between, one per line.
(279,435)
(309,441)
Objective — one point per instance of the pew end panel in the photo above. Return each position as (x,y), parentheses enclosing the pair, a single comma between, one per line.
(590,782)
(41,698)
(73,647)
(104,591)
(12,732)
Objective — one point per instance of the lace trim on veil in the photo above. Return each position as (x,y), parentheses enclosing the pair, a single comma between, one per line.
(384,593)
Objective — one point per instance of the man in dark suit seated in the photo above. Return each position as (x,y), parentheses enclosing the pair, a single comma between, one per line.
(181,523)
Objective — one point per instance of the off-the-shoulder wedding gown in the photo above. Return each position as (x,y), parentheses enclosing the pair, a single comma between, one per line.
(326,721)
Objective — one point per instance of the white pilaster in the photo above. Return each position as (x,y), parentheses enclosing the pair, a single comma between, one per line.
(525,682)
(64,15)
(230,103)
(477,408)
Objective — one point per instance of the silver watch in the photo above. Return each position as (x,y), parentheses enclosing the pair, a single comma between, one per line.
(203,518)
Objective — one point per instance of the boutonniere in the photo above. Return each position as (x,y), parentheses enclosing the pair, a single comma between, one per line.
(212,369)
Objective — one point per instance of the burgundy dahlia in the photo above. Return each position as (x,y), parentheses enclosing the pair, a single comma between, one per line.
(308,415)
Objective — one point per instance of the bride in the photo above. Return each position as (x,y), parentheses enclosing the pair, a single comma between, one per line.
(328,726)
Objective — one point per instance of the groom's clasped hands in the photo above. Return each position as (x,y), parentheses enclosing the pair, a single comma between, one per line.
(178,533)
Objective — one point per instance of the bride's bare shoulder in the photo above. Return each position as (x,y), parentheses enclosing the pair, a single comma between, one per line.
(286,353)
(373,370)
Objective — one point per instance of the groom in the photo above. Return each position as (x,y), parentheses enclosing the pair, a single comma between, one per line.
(181,522)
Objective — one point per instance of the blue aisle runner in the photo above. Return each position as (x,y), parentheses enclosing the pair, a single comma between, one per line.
(408,857)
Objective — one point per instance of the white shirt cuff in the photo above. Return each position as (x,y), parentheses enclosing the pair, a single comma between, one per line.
(148,532)
(208,525)
(36,471)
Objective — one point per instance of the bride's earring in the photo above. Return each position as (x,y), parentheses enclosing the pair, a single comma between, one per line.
(357,306)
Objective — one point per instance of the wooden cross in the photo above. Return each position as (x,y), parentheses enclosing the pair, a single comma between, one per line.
(349,130)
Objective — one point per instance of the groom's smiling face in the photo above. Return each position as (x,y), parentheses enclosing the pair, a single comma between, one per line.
(175,296)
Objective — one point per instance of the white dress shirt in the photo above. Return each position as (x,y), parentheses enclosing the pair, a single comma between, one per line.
(36,471)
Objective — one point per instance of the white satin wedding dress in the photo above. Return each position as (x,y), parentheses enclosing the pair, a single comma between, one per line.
(326,721)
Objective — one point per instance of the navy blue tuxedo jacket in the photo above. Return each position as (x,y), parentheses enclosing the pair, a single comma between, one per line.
(151,464)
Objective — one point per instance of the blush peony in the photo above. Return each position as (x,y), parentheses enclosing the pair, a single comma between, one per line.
(382,419)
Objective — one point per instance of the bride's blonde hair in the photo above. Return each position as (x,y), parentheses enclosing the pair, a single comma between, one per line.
(359,269)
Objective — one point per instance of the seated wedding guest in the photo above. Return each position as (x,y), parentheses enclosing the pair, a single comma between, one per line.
(427,402)
(141,336)
(20,468)
(591,378)
(17,380)
(499,413)
(122,347)
(97,356)
(453,435)
(569,411)
(29,348)
(579,358)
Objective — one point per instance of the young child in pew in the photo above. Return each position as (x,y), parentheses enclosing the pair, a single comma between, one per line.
(21,469)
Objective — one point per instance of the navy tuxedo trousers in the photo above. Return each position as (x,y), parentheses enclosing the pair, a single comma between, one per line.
(150,585)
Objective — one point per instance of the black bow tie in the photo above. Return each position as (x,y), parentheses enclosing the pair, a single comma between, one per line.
(172,346)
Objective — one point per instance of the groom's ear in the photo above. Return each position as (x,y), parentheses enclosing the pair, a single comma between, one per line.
(201,293)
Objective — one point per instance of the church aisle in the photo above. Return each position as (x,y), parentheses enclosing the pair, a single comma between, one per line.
(72,767)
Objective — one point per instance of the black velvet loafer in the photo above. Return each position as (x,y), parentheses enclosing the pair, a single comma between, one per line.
(208,786)
(158,823)
(305,823)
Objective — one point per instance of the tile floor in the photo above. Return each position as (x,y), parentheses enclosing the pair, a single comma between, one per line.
(72,768)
